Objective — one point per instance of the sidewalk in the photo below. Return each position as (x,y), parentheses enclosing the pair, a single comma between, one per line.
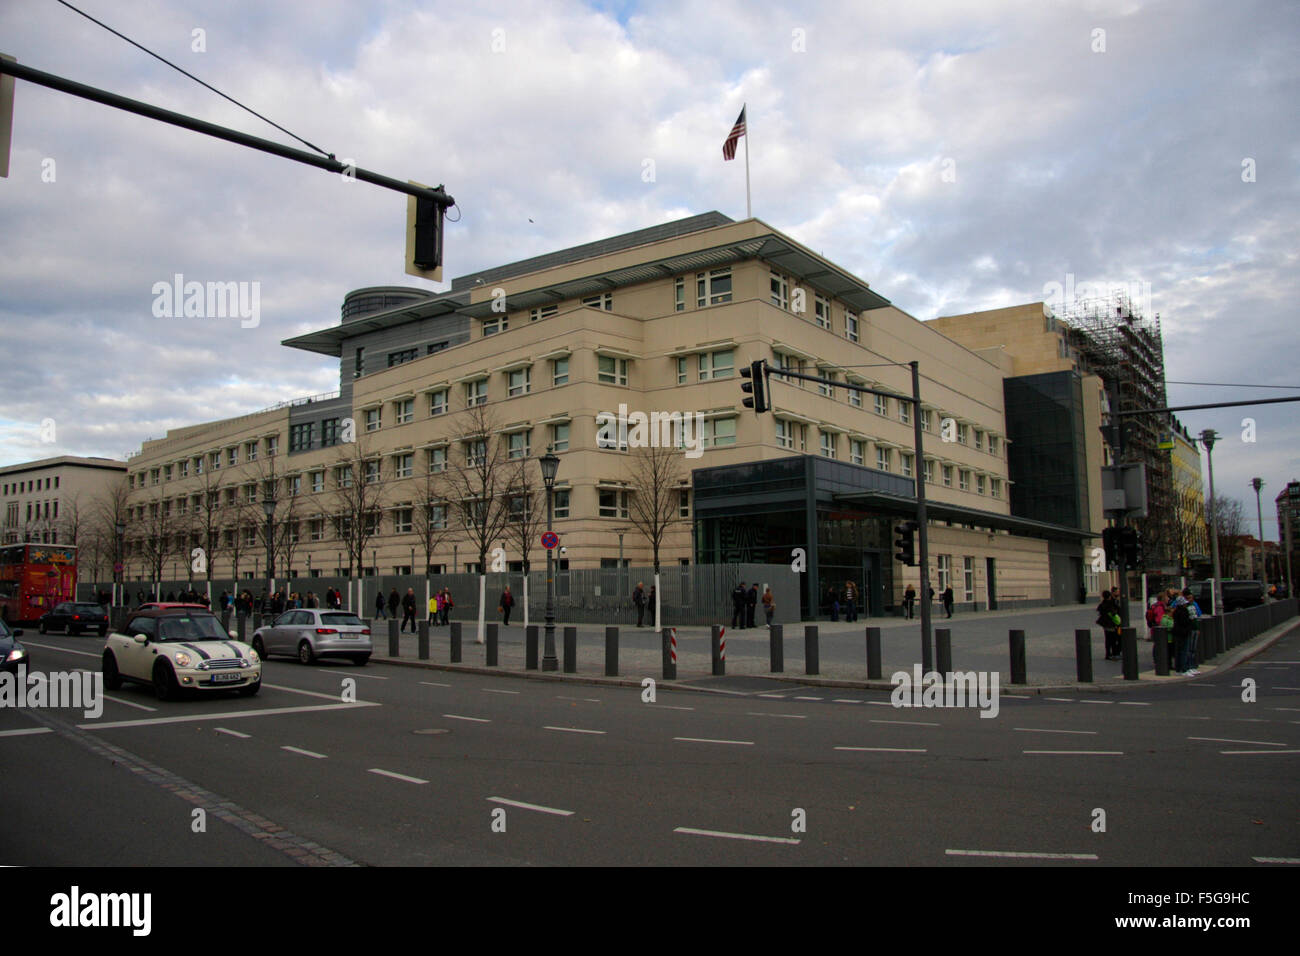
(842,654)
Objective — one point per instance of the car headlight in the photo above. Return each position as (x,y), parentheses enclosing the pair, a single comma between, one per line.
(245,663)
(16,654)
(182,659)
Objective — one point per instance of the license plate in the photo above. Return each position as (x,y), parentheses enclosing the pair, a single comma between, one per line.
(227,678)
(349,637)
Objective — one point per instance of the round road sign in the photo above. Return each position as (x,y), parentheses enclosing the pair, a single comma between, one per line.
(550,540)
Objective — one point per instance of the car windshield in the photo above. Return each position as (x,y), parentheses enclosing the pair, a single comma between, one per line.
(4,629)
(344,619)
(191,628)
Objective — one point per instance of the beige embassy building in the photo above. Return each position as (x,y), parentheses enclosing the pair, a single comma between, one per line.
(528,356)
(57,500)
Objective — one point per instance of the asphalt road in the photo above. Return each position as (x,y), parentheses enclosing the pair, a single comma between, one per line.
(425,767)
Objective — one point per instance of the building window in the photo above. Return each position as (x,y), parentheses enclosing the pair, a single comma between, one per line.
(343,476)
(780,296)
(520,382)
(495,324)
(183,468)
(825,388)
(561,502)
(995,487)
(947,476)
(404,465)
(329,432)
(828,444)
(963,480)
(317,482)
(712,288)
(438,402)
(718,431)
(294,484)
(374,419)
(559,371)
(855,397)
(679,294)
(316,529)
(925,419)
(979,440)
(611,371)
(405,410)
(214,461)
(434,347)
(400,358)
(882,405)
(720,364)
(545,312)
(882,458)
(301,436)
(250,493)
(250,451)
(476,393)
(476,452)
(682,369)
(359,362)
(821,311)
(560,437)
(905,412)
(613,504)
(372,471)
(968,577)
(963,434)
(437,460)
(519,444)
(167,472)
(683,504)
(850,326)
(945,572)
(905,464)
(402,519)
(438,516)
(993,444)
(857,451)
(272,445)
(979,484)
(784,433)
(603,301)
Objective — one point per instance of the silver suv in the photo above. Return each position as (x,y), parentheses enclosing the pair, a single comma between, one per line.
(309,633)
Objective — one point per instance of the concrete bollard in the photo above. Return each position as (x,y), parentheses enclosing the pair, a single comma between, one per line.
(776,640)
(1160,652)
(422,640)
(873,653)
(718,650)
(394,641)
(669,640)
(570,650)
(491,644)
(1083,655)
(943,650)
(1019,673)
(927,655)
(530,647)
(454,634)
(611,651)
(811,661)
(1128,646)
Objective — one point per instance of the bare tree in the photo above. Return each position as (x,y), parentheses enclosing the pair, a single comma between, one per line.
(108,510)
(206,518)
(477,479)
(358,499)
(431,515)
(155,538)
(1230,526)
(526,507)
(655,487)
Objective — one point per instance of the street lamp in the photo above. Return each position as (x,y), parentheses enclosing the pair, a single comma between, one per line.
(1257,484)
(1208,437)
(268,506)
(119,568)
(550,464)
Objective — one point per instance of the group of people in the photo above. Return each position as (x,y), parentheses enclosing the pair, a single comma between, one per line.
(440,605)
(1172,619)
(845,599)
(640,600)
(744,603)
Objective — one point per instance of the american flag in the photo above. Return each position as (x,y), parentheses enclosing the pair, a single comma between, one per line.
(737,131)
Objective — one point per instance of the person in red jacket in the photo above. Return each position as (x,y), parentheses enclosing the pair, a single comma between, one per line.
(507,602)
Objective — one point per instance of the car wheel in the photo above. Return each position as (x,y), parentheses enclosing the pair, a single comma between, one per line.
(112,679)
(259,647)
(251,690)
(164,682)
(305,654)
(41,627)
(361,660)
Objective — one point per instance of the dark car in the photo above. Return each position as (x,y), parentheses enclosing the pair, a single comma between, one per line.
(74,617)
(1236,595)
(11,652)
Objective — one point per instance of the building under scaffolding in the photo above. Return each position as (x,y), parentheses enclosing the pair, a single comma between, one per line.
(1125,349)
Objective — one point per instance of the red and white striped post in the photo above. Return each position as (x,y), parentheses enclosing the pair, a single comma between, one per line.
(670,653)
(719,648)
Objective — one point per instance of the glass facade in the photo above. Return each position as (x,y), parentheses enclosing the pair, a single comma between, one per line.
(1047,456)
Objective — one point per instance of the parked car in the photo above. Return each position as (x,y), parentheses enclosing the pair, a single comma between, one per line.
(311,633)
(1236,595)
(74,617)
(12,653)
(175,648)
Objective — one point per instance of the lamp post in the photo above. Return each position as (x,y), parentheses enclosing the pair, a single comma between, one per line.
(268,506)
(119,569)
(1258,483)
(550,464)
(1208,437)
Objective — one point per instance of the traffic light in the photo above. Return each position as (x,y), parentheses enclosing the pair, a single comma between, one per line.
(904,542)
(1131,545)
(1110,542)
(424,219)
(755,388)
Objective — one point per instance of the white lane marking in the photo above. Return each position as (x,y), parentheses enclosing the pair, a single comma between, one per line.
(878,703)
(674,707)
(1023,856)
(1286,708)
(232,733)
(396,776)
(1286,688)
(575,730)
(1252,720)
(25,732)
(1096,702)
(707,740)
(433,683)
(1282,662)
(808,698)
(130,703)
(477,720)
(306,693)
(1276,859)
(1018,696)
(845,700)
(1190,717)
(1071,753)
(1134,703)
(887,750)
(1067,700)
(531,806)
(773,696)
(149,721)
(366,676)
(305,753)
(589,700)
(490,690)
(910,723)
(1259,751)
(1230,740)
(736,836)
(759,713)
(1043,730)
(62,650)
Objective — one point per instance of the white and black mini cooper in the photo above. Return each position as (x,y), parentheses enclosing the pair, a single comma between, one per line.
(176,647)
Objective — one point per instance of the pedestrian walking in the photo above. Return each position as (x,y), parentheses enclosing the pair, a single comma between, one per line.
(833,599)
(379,606)
(947,600)
(769,605)
(506,603)
(751,605)
(1108,620)
(445,605)
(638,601)
(433,609)
(408,610)
(738,606)
(909,601)
(394,602)
(850,601)
(650,603)
(1194,611)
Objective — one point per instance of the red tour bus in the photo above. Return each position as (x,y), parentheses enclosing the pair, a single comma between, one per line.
(34,578)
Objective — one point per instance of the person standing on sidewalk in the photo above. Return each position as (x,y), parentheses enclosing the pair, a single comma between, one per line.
(638,601)
(850,601)
(408,610)
(947,600)
(769,605)
(1107,615)
(738,607)
(445,605)
(506,603)
(433,609)
(909,601)
(751,605)
(394,602)
(650,603)
(379,606)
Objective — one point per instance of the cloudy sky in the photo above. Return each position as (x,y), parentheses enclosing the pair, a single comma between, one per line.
(958,156)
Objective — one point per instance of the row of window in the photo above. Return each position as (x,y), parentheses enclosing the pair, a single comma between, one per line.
(32,484)
(212,460)
(963,588)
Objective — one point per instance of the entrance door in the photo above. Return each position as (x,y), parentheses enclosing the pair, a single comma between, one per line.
(991,582)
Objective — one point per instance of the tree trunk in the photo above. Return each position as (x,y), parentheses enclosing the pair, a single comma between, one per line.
(482,590)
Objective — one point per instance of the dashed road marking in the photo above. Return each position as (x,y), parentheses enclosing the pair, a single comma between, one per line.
(910,723)
(491,690)
(531,806)
(589,700)
(1043,730)
(809,698)
(1235,752)
(1134,703)
(1230,740)
(886,750)
(575,730)
(25,731)
(232,733)
(707,740)
(396,776)
(130,703)
(759,713)
(1096,702)
(1072,753)
(305,753)
(1276,859)
(736,836)
(477,720)
(433,683)
(1023,856)
(773,696)
(845,700)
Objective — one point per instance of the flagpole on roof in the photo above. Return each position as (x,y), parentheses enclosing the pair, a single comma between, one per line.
(749,213)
